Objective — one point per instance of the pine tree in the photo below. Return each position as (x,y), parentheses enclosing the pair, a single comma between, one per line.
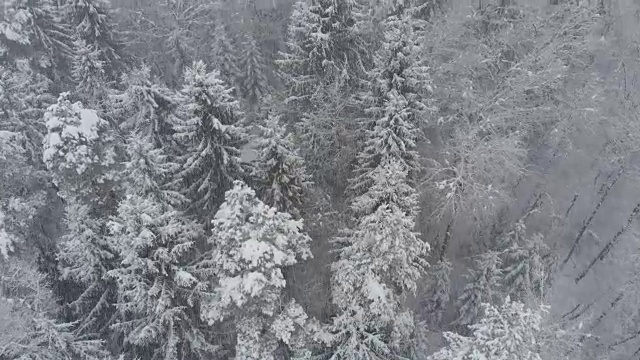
(27,326)
(523,268)
(394,102)
(322,67)
(439,292)
(85,256)
(380,261)
(252,243)
(253,81)
(21,193)
(157,296)
(147,108)
(483,287)
(509,331)
(88,72)
(224,57)
(279,172)
(54,38)
(211,139)
(323,50)
(24,97)
(93,27)
(79,151)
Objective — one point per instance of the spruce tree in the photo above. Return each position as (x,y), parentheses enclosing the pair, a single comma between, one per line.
(323,50)
(21,194)
(28,329)
(84,258)
(508,331)
(483,287)
(253,81)
(157,296)
(88,72)
(211,139)
(147,109)
(252,243)
(524,270)
(79,151)
(24,97)
(224,57)
(94,27)
(322,67)
(394,102)
(279,172)
(439,295)
(380,261)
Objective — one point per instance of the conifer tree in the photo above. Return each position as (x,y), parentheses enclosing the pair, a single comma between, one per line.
(523,269)
(79,150)
(37,31)
(510,331)
(24,97)
(253,80)
(211,139)
(224,57)
(323,50)
(21,193)
(93,26)
(483,287)
(28,329)
(380,260)
(439,292)
(85,256)
(88,72)
(252,242)
(322,66)
(279,172)
(157,296)
(395,102)
(147,109)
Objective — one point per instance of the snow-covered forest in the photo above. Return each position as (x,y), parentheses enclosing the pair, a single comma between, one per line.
(319,179)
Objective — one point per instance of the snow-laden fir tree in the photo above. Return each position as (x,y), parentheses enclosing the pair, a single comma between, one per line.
(379,262)
(15,31)
(398,67)
(211,138)
(94,27)
(323,50)
(21,193)
(224,56)
(394,103)
(253,81)
(37,30)
(439,294)
(27,326)
(147,108)
(79,152)
(323,65)
(88,72)
(78,149)
(484,285)
(157,296)
(86,255)
(524,271)
(252,242)
(24,97)
(392,139)
(279,172)
(508,331)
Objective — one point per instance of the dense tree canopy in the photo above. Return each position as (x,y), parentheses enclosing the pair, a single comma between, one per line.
(319,179)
